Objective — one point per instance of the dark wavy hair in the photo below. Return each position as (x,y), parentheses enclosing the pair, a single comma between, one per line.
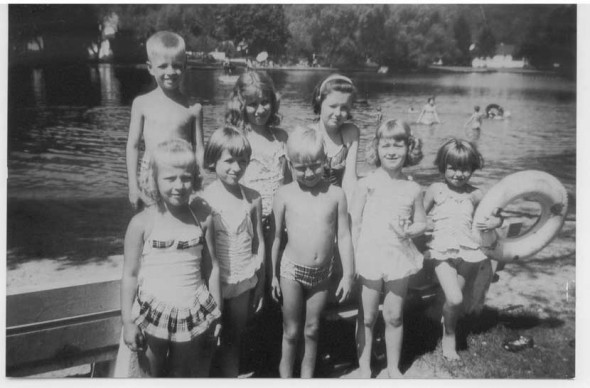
(175,152)
(251,83)
(397,130)
(334,82)
(226,138)
(460,154)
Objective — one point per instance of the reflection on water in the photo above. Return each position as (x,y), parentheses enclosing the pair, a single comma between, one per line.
(68,125)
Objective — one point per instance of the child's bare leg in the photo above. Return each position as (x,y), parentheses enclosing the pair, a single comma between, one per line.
(293,318)
(192,358)
(451,284)
(366,318)
(395,293)
(235,315)
(315,304)
(157,355)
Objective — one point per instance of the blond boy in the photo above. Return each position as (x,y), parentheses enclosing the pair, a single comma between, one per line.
(315,215)
(165,112)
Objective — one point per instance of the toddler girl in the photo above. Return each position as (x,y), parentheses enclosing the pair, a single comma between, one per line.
(237,212)
(455,250)
(332,101)
(167,310)
(386,213)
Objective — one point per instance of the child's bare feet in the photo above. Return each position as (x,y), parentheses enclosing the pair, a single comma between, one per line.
(395,374)
(448,347)
(363,373)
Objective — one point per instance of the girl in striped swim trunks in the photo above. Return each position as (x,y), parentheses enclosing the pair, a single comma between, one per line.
(239,245)
(169,314)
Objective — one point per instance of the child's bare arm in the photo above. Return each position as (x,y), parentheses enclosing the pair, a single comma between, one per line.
(359,198)
(278,207)
(260,254)
(350,136)
(491,221)
(345,250)
(429,198)
(198,137)
(419,218)
(132,150)
(133,246)
(214,280)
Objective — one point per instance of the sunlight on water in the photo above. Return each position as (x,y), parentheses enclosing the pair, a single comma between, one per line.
(68,126)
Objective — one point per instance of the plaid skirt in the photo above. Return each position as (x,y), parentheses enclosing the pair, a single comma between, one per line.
(173,323)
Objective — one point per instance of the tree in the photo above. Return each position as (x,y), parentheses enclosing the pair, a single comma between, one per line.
(462,34)
(486,42)
(263,27)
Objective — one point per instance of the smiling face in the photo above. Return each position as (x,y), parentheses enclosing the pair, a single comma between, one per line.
(335,109)
(230,168)
(258,109)
(457,177)
(392,153)
(167,68)
(175,184)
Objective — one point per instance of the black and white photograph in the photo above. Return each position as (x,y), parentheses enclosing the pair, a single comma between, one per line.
(265,191)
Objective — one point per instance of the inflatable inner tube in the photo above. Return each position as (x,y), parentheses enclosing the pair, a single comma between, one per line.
(494,110)
(533,185)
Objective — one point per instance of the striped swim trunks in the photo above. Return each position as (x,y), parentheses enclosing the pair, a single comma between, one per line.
(308,277)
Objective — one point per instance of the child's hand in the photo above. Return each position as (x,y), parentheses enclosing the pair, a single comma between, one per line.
(133,337)
(401,227)
(344,289)
(134,198)
(217,333)
(489,223)
(258,299)
(275,289)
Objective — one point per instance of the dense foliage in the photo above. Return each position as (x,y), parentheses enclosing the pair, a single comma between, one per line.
(395,35)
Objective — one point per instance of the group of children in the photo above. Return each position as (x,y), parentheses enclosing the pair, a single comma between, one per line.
(276,222)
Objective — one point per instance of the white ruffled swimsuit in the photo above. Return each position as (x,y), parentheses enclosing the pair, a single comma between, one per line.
(452,237)
(381,253)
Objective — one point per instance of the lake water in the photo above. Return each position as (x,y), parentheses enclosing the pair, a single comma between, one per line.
(67,130)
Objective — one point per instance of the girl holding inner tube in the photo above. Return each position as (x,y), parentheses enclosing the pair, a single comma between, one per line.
(456,252)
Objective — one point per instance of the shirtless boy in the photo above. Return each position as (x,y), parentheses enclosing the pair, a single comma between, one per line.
(164,113)
(315,214)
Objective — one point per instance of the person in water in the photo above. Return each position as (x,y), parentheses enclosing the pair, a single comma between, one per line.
(428,115)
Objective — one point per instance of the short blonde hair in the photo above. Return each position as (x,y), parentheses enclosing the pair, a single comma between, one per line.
(227,138)
(305,145)
(397,130)
(164,42)
(175,152)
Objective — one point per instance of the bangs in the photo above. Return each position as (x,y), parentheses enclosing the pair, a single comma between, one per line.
(178,158)
(462,159)
(394,130)
(237,147)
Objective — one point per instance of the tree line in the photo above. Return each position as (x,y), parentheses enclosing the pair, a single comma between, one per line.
(395,35)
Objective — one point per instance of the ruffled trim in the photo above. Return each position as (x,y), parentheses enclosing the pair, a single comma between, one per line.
(174,323)
(469,255)
(246,273)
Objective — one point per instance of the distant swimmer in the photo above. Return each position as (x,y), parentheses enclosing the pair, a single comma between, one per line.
(428,115)
(476,119)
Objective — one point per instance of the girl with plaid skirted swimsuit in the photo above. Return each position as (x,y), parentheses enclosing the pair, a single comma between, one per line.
(170,316)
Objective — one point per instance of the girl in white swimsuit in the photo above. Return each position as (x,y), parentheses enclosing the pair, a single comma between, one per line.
(237,220)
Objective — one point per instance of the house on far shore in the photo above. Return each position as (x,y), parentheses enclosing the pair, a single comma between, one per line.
(502,59)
